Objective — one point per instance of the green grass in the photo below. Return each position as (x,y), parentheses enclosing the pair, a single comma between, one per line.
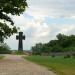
(18,53)
(1,57)
(60,65)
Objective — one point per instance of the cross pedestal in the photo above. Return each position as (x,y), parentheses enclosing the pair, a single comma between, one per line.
(20,37)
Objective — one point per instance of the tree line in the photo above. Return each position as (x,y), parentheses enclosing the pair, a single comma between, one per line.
(62,43)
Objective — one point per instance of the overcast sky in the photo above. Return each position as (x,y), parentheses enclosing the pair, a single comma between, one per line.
(43,20)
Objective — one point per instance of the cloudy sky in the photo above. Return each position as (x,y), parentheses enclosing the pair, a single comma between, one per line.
(43,20)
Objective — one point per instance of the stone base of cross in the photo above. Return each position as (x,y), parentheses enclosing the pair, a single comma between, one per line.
(20,37)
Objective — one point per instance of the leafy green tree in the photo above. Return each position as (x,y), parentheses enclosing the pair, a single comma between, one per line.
(69,49)
(57,48)
(45,49)
(63,43)
(52,43)
(61,36)
(13,7)
(37,49)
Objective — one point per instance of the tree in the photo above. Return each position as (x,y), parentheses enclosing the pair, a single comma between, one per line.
(63,43)
(13,7)
(37,49)
(45,49)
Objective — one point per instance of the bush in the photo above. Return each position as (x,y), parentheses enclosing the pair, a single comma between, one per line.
(53,55)
(67,56)
(4,49)
(69,49)
(57,48)
(73,55)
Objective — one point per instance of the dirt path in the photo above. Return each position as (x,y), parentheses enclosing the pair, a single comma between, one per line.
(15,65)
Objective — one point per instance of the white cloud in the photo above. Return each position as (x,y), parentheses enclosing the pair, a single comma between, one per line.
(41,33)
(36,29)
(54,8)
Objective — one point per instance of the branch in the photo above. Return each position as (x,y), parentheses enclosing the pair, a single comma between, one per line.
(5,17)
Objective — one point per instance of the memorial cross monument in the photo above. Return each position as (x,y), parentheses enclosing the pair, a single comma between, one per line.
(20,38)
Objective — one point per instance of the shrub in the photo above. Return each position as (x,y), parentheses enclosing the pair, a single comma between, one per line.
(67,56)
(73,55)
(4,49)
(53,55)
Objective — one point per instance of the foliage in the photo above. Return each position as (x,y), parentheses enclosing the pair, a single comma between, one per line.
(67,56)
(4,49)
(37,49)
(13,7)
(63,43)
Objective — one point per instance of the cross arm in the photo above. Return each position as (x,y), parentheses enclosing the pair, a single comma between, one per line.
(23,37)
(17,37)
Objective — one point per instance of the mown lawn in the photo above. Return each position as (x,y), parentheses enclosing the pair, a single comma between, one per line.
(60,65)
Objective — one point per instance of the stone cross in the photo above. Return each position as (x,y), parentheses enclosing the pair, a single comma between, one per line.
(20,38)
